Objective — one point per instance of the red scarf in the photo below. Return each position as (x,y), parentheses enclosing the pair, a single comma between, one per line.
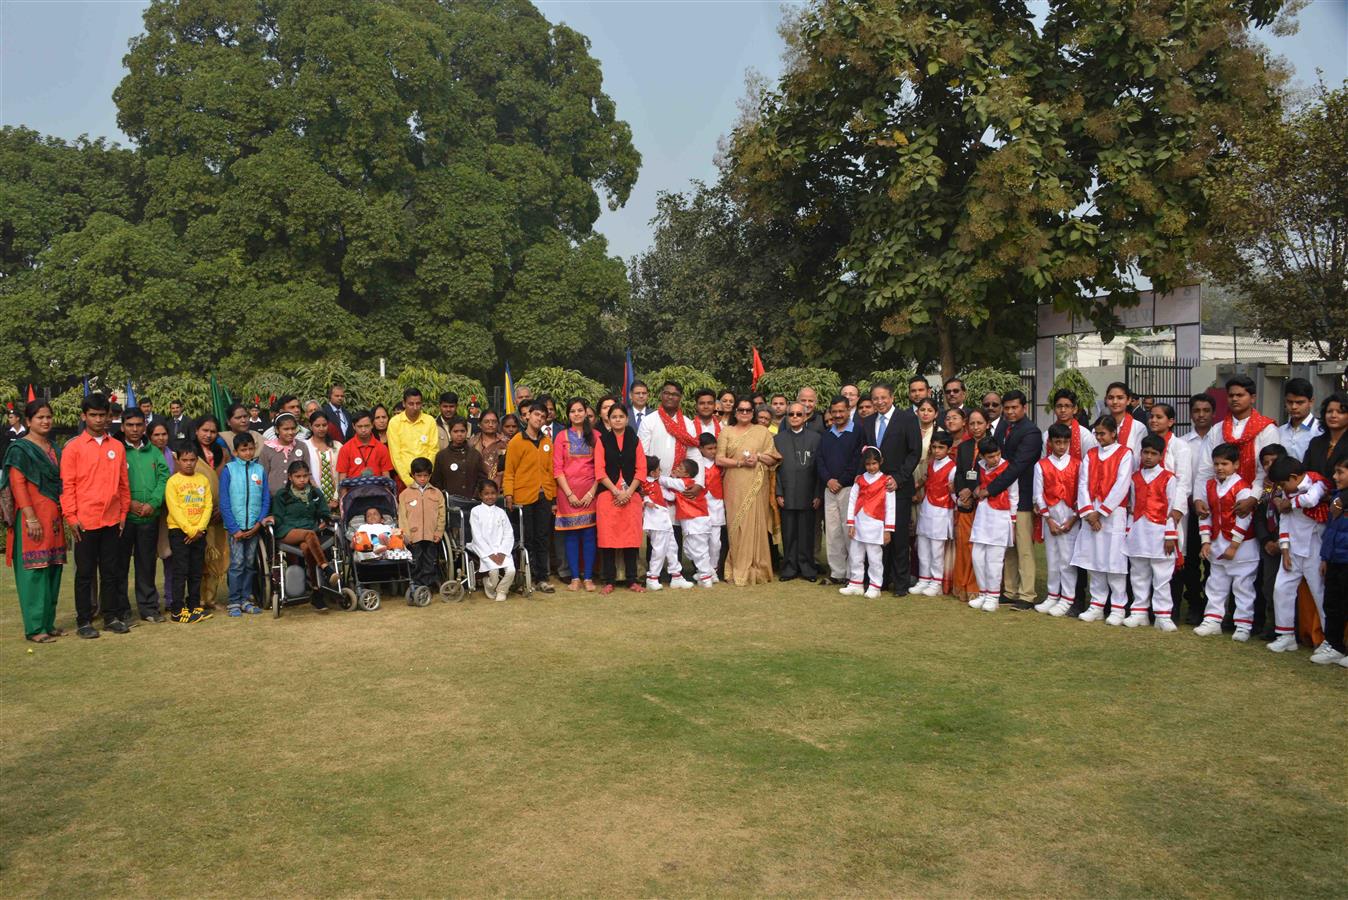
(1074,450)
(1149,500)
(1104,472)
(1254,425)
(1126,429)
(871,498)
(683,441)
(702,426)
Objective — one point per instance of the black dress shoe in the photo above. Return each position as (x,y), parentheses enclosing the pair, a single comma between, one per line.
(901,592)
(787,578)
(116,626)
(87,631)
(155,617)
(1021,604)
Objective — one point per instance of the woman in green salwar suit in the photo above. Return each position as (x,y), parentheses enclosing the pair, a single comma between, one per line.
(36,544)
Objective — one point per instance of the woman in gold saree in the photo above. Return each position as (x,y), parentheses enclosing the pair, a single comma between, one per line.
(746,455)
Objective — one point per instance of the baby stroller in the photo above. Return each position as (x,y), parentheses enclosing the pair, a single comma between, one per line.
(285,574)
(366,570)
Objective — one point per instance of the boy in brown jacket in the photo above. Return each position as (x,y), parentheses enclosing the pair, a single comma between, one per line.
(421,516)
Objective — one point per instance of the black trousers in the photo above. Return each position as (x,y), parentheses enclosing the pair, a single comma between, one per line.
(98,557)
(798,531)
(1263,591)
(608,564)
(538,536)
(1336,604)
(425,555)
(896,552)
(725,548)
(189,561)
(140,543)
(1188,586)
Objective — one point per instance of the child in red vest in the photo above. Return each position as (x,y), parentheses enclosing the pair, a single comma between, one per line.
(706,445)
(1102,489)
(870,525)
(694,518)
(1304,509)
(936,516)
(1055,502)
(658,521)
(1234,559)
(994,527)
(1152,539)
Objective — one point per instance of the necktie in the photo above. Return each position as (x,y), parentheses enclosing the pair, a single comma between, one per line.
(880,428)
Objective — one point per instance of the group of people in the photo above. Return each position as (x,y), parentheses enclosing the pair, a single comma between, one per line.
(930,496)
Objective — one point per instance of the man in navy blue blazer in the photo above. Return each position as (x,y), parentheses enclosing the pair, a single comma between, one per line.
(897,435)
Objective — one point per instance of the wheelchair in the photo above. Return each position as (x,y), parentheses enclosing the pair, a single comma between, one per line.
(284,573)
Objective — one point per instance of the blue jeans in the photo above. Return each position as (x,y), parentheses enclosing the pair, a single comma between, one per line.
(241,556)
(580,552)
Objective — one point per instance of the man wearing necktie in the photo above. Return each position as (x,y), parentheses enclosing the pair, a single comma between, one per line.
(897,435)
(335,408)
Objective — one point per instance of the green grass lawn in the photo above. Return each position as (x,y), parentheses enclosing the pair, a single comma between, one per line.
(775,740)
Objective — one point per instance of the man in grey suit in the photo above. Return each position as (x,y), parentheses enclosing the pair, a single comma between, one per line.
(798,493)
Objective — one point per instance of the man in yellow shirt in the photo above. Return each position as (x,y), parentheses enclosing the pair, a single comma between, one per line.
(187,498)
(411,434)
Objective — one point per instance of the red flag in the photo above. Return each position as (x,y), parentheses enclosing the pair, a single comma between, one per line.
(757,370)
(31,396)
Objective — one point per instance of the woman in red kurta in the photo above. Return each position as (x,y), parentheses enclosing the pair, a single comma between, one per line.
(37,543)
(620,467)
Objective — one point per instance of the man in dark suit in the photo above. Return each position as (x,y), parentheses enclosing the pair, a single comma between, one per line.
(178,423)
(798,493)
(955,394)
(899,438)
(1022,445)
(340,425)
(151,417)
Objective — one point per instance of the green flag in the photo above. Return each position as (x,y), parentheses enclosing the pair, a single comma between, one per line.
(220,401)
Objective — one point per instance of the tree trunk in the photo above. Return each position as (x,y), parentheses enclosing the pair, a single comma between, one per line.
(943,332)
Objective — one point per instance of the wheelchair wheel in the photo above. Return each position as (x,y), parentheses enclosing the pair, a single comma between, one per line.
(348,599)
(419,596)
(452,592)
(263,580)
(368,600)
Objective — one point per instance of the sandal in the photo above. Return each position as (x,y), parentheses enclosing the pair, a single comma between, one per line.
(57,632)
(636,588)
(606,590)
(589,586)
(574,585)
(40,638)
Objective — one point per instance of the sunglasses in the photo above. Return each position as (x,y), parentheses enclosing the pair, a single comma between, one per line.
(954,390)
(796,415)
(743,409)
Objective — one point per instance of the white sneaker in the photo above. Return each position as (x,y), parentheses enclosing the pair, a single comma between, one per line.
(1242,635)
(1139,618)
(678,583)
(977,602)
(872,593)
(1208,627)
(991,603)
(1047,605)
(501,595)
(1115,617)
(1165,623)
(1094,614)
(851,590)
(1343,661)
(1286,643)
(1328,657)
(653,584)
(1061,608)
(706,583)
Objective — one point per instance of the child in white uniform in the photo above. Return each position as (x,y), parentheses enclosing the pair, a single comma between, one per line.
(1152,539)
(1305,509)
(493,543)
(870,525)
(1233,558)
(1102,488)
(936,517)
(706,445)
(994,526)
(658,522)
(1055,502)
(694,518)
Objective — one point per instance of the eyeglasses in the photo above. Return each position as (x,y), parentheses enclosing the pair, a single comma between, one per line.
(796,415)
(954,390)
(744,409)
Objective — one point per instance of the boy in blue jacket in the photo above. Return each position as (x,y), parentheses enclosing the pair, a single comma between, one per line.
(244,505)
(1334,566)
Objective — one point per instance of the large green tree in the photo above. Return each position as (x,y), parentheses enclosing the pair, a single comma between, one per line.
(961,161)
(363,177)
(1282,209)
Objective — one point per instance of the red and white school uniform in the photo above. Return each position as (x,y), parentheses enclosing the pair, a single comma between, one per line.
(716,508)
(694,518)
(935,523)
(658,521)
(870,510)
(1055,497)
(1153,496)
(1102,487)
(1302,531)
(1222,528)
(994,530)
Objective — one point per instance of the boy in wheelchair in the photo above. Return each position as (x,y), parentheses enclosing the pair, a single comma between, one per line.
(301,512)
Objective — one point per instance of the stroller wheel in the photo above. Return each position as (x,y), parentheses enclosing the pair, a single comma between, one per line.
(452,592)
(348,601)
(419,596)
(369,600)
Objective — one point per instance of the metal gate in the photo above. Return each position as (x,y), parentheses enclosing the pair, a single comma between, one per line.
(1165,381)
(1028,384)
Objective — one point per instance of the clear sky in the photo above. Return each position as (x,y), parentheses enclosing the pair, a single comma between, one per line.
(675,68)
